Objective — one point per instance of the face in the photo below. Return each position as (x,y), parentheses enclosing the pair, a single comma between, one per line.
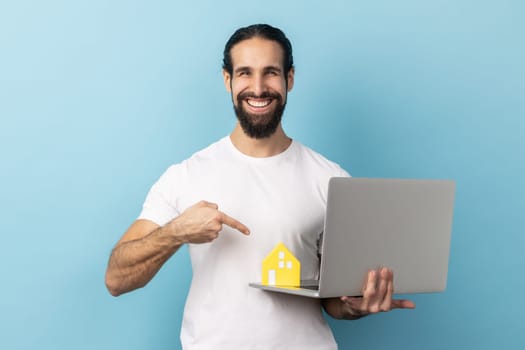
(258,85)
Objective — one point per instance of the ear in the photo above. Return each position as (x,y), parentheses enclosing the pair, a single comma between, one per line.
(290,78)
(227,80)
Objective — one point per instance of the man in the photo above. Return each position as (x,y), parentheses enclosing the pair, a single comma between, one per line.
(232,202)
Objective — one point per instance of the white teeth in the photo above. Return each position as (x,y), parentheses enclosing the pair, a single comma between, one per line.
(259,104)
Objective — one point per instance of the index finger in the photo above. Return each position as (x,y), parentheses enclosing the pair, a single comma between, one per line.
(228,220)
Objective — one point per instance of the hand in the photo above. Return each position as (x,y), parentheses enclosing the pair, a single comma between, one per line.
(377,296)
(202,222)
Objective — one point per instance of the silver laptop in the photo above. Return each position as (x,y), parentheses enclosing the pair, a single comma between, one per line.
(401,224)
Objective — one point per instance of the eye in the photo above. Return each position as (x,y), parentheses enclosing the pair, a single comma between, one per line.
(273,73)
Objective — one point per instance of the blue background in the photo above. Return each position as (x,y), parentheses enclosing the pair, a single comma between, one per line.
(98,98)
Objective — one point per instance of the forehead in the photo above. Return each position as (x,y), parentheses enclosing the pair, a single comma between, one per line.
(257,53)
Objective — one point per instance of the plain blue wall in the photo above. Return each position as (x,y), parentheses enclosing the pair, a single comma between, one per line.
(97,98)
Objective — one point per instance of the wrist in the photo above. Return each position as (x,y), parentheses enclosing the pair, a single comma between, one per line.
(174,233)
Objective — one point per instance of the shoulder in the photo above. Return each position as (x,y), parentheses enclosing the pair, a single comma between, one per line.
(219,146)
(201,162)
(214,152)
(176,178)
(316,161)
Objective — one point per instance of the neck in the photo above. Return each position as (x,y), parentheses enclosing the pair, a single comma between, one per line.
(277,143)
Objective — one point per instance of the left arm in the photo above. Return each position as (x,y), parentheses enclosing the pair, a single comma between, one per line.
(377,297)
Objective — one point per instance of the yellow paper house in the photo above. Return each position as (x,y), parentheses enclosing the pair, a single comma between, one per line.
(281,268)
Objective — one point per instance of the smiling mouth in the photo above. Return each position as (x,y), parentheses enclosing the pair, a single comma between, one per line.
(259,103)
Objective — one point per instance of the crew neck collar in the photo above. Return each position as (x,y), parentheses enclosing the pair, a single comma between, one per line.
(273,158)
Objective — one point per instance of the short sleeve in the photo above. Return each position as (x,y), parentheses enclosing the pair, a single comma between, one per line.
(160,205)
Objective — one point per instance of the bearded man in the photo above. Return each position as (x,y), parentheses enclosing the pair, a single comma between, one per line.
(232,202)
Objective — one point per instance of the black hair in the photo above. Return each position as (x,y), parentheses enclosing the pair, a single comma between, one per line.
(263,31)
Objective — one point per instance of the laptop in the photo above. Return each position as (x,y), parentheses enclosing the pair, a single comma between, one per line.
(401,224)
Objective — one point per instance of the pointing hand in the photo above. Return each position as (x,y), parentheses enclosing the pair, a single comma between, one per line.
(202,222)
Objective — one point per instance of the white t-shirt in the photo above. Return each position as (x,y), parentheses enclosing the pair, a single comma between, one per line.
(281,199)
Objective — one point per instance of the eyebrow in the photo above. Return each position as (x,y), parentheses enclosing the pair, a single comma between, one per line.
(242,69)
(265,69)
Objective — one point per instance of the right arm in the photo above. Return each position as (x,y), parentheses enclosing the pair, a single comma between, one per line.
(138,256)
(146,246)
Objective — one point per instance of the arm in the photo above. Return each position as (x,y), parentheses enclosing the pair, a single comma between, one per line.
(377,297)
(138,256)
(146,246)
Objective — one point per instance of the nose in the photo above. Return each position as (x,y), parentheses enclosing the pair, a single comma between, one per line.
(258,84)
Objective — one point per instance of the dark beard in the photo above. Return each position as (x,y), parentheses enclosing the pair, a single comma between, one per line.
(259,126)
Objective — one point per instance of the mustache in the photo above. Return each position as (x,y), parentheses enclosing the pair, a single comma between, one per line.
(265,94)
